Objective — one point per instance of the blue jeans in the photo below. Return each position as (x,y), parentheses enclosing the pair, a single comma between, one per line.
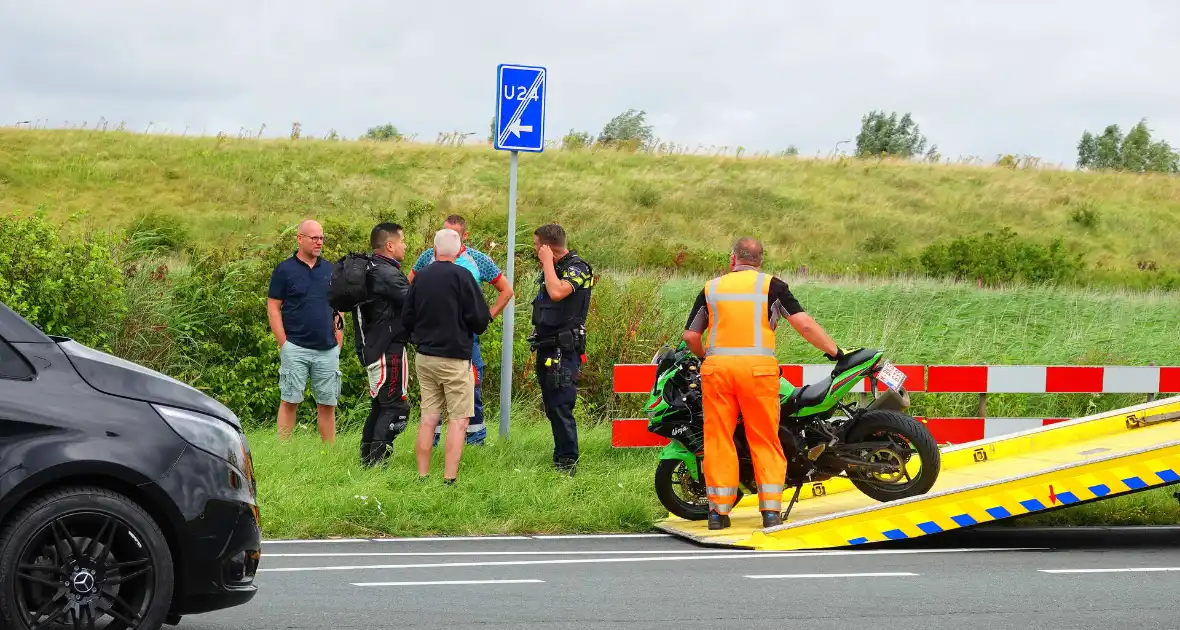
(476,422)
(476,432)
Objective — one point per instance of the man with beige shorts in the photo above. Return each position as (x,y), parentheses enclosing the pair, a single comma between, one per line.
(444,309)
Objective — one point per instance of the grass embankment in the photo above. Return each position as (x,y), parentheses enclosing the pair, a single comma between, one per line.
(623,211)
(309,490)
(184,290)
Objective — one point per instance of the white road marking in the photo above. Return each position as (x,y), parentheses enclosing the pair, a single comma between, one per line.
(1136,570)
(407,539)
(611,552)
(448,583)
(747,555)
(449,539)
(598,536)
(327,540)
(462,538)
(828,575)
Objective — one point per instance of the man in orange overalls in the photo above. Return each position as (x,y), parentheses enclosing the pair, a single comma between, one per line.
(740,374)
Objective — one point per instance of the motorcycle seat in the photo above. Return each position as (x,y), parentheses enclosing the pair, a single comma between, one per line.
(856,358)
(811,394)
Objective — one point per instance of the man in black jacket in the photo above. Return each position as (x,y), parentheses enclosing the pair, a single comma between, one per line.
(381,343)
(444,310)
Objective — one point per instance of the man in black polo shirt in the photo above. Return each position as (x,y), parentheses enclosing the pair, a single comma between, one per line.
(308,330)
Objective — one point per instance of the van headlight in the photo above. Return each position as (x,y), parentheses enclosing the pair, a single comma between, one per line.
(212,435)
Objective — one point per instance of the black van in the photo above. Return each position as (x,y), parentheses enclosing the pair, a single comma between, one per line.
(127,498)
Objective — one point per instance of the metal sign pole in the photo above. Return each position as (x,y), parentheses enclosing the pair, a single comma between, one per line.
(510,310)
(520,126)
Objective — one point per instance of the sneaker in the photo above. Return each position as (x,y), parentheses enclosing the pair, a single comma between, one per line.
(478,437)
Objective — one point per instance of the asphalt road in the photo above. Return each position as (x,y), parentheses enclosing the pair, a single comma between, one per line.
(661,582)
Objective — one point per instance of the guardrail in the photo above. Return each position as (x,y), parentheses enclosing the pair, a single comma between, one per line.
(638,378)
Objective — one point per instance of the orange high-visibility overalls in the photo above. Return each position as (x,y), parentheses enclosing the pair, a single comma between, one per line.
(740,373)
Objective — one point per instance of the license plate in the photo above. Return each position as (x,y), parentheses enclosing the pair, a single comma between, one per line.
(892,377)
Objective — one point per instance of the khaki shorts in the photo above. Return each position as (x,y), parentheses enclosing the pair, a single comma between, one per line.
(447,384)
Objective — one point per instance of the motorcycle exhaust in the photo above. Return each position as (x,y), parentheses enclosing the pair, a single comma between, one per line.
(891,400)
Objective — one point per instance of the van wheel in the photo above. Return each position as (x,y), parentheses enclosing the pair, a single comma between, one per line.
(84,558)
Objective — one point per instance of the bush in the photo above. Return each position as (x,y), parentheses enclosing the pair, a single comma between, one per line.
(575,140)
(878,243)
(71,288)
(994,259)
(153,233)
(1085,215)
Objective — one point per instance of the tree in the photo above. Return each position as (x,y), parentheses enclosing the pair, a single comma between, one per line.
(628,129)
(383,132)
(893,136)
(576,140)
(1135,152)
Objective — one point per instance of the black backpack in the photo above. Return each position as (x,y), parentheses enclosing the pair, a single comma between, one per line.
(349,286)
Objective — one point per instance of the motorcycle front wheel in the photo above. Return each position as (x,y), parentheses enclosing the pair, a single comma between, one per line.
(682,495)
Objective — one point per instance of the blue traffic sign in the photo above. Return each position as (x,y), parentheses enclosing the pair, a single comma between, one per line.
(520,109)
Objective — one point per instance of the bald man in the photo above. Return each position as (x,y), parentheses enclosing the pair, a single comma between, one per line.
(308,330)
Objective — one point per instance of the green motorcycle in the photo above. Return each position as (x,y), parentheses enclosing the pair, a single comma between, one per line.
(822,436)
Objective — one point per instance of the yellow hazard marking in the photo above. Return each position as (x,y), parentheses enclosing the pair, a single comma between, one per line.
(1081,460)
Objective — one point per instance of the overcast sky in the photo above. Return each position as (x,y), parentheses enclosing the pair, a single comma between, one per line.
(980,77)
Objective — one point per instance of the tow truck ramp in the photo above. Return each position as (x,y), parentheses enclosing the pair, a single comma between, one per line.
(1114,453)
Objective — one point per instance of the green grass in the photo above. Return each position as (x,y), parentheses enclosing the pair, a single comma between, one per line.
(655,226)
(631,210)
(309,490)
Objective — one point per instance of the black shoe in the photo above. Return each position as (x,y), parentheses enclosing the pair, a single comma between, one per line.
(375,454)
(772,519)
(566,467)
(718,521)
(449,482)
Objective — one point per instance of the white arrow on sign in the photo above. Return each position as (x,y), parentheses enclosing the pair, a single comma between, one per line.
(515,128)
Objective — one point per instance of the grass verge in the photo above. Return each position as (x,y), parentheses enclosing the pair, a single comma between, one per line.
(308,490)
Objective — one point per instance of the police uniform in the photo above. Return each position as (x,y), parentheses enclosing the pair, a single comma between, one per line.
(559,339)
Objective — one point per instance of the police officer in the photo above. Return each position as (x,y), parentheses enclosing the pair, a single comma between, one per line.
(559,336)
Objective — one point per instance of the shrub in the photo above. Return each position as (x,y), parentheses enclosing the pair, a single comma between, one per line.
(999,258)
(71,288)
(879,242)
(575,140)
(152,233)
(645,195)
(1085,215)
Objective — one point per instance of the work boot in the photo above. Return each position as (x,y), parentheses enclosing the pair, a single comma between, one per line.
(772,519)
(718,521)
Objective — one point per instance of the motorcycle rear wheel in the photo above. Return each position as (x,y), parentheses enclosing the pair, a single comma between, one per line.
(886,424)
(672,475)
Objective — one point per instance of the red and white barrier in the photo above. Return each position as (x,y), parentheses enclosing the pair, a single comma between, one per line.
(963,379)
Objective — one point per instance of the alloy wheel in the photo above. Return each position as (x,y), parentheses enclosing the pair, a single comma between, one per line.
(85,569)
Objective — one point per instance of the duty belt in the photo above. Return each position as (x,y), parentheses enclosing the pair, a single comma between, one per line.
(566,340)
